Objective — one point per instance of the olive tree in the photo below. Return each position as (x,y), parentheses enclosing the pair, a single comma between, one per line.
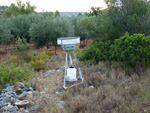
(20,25)
(87,24)
(5,34)
(46,31)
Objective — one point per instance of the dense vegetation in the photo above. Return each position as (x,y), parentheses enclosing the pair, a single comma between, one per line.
(119,83)
(113,23)
(131,50)
(12,73)
(104,26)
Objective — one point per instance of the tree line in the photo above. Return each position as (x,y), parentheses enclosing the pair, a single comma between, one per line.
(121,33)
(104,26)
(42,28)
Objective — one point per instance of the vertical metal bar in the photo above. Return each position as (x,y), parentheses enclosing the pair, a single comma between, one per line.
(70,59)
(66,69)
(80,72)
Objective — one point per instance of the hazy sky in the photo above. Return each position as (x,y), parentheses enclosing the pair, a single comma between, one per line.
(60,5)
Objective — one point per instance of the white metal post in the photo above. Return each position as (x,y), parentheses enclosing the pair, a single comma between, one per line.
(66,66)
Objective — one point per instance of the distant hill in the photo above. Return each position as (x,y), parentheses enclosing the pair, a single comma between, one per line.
(69,14)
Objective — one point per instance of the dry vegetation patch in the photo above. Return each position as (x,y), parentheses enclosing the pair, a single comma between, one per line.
(112,91)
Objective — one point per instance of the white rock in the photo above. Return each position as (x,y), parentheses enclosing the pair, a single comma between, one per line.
(91,87)
(22,104)
(29,93)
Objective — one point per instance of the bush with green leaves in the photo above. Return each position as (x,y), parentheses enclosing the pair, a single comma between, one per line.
(11,73)
(131,49)
(98,50)
(21,50)
(38,61)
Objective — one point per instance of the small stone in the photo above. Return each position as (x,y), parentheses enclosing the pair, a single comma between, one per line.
(91,87)
(4,90)
(1,110)
(12,109)
(59,93)
(22,110)
(49,71)
(14,95)
(16,86)
(19,91)
(10,89)
(2,95)
(7,85)
(13,100)
(5,100)
(21,85)
(2,104)
(22,96)
(58,70)
(7,95)
(31,89)
(22,104)
(29,93)
(7,107)
(9,100)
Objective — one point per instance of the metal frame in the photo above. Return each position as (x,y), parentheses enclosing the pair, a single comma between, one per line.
(68,48)
(66,66)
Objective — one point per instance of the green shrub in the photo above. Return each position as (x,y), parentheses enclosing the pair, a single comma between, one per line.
(38,61)
(37,64)
(98,50)
(14,59)
(131,49)
(11,73)
(21,50)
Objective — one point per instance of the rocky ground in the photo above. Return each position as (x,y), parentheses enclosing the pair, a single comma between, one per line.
(20,99)
(17,98)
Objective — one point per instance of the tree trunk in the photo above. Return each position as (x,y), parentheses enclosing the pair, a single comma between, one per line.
(55,49)
(47,45)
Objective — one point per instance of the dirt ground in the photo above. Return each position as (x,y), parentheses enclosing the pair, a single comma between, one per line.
(5,49)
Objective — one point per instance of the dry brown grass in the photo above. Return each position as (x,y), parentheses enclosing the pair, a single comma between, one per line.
(115,91)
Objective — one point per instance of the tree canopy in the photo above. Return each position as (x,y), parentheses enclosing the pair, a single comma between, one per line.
(20,8)
(5,34)
(130,16)
(46,31)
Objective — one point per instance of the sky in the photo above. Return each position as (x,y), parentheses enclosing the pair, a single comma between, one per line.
(60,5)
